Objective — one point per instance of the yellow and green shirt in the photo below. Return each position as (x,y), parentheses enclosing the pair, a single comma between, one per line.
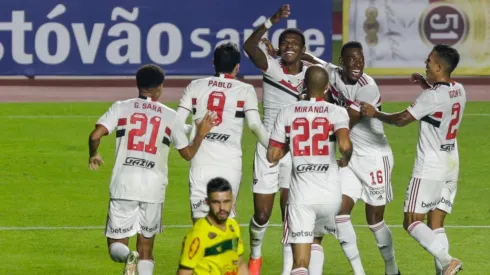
(210,250)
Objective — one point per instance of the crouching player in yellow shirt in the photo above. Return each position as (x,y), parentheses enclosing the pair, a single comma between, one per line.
(213,246)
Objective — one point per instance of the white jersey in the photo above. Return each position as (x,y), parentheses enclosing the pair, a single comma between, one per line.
(144,132)
(308,127)
(367,135)
(440,111)
(230,99)
(279,89)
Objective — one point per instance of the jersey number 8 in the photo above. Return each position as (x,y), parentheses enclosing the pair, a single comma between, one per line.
(216,103)
(300,139)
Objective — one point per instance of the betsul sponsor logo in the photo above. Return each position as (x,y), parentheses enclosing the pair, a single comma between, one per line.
(198,204)
(302,234)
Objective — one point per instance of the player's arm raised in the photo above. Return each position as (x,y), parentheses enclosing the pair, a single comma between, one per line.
(203,128)
(253,118)
(251,45)
(399,119)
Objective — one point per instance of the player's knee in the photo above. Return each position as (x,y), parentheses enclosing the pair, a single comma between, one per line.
(262,217)
(410,218)
(374,214)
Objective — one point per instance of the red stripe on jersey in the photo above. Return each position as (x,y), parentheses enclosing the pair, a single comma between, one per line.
(168,132)
(437,115)
(288,129)
(276,143)
(290,86)
(122,122)
(194,101)
(240,103)
(362,81)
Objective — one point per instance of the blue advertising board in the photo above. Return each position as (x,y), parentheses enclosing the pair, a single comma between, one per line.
(109,37)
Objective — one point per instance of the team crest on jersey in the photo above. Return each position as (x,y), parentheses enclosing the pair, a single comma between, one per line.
(231,228)
(212,235)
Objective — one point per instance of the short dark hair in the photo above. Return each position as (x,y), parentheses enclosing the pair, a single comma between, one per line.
(350,45)
(449,55)
(226,57)
(149,76)
(218,185)
(292,31)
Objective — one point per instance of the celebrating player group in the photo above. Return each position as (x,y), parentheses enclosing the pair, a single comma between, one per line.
(310,107)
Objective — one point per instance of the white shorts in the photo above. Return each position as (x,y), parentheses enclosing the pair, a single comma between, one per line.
(199,177)
(368,178)
(268,180)
(306,221)
(424,195)
(126,218)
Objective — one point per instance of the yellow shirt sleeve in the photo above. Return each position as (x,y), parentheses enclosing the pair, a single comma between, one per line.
(192,250)
(240,248)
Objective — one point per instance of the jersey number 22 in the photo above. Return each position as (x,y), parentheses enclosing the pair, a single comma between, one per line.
(302,138)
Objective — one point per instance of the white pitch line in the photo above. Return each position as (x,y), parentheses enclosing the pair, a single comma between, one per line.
(91,116)
(57,228)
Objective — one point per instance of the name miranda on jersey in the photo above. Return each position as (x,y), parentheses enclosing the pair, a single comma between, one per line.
(316,109)
(150,106)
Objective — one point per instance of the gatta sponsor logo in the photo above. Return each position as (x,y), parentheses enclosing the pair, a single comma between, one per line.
(217,137)
(315,168)
(137,162)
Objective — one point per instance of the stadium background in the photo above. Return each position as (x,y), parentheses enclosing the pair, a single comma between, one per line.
(52,211)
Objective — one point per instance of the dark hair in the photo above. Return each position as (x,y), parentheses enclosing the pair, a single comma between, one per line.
(450,56)
(293,31)
(350,45)
(218,185)
(226,57)
(149,76)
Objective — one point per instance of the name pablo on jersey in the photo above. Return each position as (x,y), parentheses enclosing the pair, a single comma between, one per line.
(215,83)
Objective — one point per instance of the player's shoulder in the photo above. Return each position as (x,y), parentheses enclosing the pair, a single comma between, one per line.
(233,226)
(366,81)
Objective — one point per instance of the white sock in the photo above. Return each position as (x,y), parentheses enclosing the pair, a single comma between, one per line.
(299,271)
(316,260)
(145,267)
(382,234)
(441,237)
(428,240)
(348,241)
(287,259)
(257,233)
(119,252)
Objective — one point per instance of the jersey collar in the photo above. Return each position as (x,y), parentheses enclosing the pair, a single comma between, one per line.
(442,83)
(146,98)
(229,76)
(317,99)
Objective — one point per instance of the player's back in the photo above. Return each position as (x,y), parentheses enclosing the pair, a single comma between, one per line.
(279,89)
(210,250)
(368,136)
(437,151)
(143,138)
(229,98)
(311,126)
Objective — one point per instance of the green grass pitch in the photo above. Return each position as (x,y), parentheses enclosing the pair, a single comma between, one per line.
(45,185)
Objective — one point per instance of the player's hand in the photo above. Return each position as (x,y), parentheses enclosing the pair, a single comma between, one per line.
(95,161)
(341,163)
(207,123)
(270,49)
(419,79)
(283,12)
(367,109)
